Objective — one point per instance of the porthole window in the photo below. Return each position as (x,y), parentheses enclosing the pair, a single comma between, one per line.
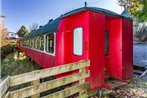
(78,41)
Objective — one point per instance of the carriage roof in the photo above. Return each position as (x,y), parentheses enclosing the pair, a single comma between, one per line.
(52,26)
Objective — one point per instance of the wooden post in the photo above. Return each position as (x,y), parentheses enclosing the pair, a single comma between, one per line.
(83,94)
(81,81)
(35,84)
(4,85)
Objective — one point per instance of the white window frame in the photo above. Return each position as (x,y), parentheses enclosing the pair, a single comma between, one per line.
(76,43)
(44,51)
(47,44)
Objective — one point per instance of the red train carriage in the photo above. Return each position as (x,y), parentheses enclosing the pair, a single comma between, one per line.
(92,33)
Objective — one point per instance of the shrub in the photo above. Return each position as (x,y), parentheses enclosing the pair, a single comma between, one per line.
(7,49)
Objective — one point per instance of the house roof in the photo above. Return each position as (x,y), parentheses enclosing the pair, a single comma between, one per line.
(52,26)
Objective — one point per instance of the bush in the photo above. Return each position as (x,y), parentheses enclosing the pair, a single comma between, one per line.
(7,49)
(141,32)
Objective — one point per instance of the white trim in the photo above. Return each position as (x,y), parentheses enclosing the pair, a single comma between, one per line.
(44,51)
(78,41)
(54,44)
(44,42)
(38,50)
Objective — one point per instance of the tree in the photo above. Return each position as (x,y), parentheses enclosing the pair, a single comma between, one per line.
(3,34)
(22,31)
(33,27)
(2,16)
(137,8)
(141,14)
(141,32)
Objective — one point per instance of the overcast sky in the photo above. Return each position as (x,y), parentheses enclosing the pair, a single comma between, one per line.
(26,12)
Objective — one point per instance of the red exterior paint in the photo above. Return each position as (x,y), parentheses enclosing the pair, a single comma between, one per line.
(127,49)
(118,62)
(65,34)
(41,58)
(115,48)
(120,48)
(96,49)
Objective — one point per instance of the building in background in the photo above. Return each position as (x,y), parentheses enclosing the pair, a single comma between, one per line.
(12,35)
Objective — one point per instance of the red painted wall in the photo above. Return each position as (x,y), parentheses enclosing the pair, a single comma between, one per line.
(70,23)
(93,25)
(127,49)
(115,48)
(43,59)
(96,49)
(120,49)
(65,52)
(65,33)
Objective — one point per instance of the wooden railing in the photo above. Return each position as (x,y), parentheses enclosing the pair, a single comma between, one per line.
(36,85)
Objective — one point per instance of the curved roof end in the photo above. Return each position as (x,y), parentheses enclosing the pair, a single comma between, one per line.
(126,13)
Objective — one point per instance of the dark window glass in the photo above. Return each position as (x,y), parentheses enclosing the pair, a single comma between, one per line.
(50,43)
(106,42)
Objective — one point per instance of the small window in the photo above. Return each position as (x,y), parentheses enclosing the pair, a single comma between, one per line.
(35,42)
(38,42)
(29,42)
(106,42)
(50,43)
(25,43)
(32,42)
(41,43)
(78,41)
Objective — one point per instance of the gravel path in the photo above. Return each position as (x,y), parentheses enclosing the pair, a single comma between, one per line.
(140,54)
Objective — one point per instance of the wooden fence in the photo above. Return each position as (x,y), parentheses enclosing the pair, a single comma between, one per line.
(36,85)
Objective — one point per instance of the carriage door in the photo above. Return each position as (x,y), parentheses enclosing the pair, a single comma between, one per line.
(77,43)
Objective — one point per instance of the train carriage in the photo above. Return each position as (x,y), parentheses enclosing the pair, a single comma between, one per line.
(92,33)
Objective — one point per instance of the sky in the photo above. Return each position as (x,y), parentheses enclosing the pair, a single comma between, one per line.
(27,12)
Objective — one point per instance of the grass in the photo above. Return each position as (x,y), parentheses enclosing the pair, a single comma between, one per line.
(11,65)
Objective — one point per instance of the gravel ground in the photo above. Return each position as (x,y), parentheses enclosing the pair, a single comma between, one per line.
(137,88)
(140,54)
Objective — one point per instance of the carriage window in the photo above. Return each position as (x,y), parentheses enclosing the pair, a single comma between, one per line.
(23,43)
(38,43)
(27,43)
(78,41)
(35,42)
(50,43)
(31,43)
(41,42)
